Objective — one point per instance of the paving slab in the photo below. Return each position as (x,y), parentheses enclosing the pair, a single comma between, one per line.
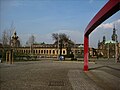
(57,75)
(80,81)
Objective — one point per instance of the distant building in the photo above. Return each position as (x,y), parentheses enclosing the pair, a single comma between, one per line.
(114,35)
(108,48)
(51,50)
(47,50)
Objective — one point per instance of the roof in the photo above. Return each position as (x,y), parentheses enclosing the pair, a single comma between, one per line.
(109,41)
(81,46)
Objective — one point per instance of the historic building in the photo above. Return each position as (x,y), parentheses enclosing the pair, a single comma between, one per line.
(49,50)
(108,49)
(15,41)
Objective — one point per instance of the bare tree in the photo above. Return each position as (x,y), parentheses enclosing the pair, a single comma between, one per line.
(7,34)
(5,38)
(63,41)
(31,40)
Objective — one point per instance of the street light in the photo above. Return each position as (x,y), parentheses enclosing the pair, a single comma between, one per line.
(58,46)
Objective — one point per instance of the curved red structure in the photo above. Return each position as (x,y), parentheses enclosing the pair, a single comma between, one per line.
(111,7)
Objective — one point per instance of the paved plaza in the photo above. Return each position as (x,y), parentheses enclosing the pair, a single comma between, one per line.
(60,75)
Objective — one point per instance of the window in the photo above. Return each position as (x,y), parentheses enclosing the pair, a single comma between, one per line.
(36,51)
(57,51)
(47,51)
(63,51)
(22,51)
(53,51)
(42,51)
(50,51)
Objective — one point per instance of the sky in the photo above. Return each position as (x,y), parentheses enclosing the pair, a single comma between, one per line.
(41,18)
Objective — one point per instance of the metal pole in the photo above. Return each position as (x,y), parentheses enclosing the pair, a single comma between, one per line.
(86,45)
(108,52)
(58,46)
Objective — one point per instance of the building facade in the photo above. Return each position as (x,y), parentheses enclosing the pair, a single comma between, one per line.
(15,40)
(106,49)
(109,48)
(49,50)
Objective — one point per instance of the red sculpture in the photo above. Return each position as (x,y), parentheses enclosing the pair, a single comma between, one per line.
(111,7)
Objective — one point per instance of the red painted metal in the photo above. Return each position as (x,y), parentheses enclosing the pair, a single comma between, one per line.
(86,38)
(108,10)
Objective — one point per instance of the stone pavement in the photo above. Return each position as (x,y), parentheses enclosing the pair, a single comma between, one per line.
(57,75)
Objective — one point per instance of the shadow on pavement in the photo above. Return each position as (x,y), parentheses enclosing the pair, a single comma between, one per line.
(104,66)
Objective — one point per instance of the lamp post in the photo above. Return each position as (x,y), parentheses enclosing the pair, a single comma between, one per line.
(58,47)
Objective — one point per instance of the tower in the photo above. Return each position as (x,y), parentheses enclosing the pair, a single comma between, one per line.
(15,42)
(114,35)
(104,39)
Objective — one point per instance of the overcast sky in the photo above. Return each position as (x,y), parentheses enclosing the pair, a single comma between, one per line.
(44,17)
